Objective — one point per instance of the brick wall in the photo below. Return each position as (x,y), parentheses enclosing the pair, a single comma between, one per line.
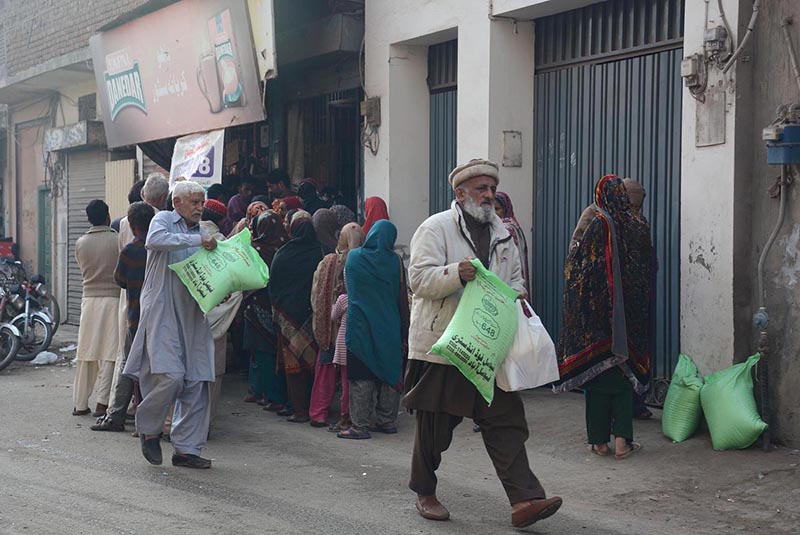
(35,31)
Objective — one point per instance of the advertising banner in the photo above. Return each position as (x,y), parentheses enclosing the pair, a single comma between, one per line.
(189,67)
(198,157)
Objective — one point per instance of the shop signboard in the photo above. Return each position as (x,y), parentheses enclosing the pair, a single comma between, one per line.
(198,157)
(188,67)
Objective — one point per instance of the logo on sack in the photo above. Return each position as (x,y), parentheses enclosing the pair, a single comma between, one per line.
(487,326)
(489,305)
(230,257)
(123,84)
(217,263)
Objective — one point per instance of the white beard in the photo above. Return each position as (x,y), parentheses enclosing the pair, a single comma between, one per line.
(481,213)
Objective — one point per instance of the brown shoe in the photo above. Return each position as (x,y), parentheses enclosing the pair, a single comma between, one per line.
(82,412)
(100,410)
(431,508)
(534,510)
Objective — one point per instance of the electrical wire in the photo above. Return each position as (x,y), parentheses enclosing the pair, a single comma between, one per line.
(731,40)
(785,23)
(750,28)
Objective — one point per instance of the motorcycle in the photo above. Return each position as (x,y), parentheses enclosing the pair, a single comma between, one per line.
(35,327)
(9,337)
(12,272)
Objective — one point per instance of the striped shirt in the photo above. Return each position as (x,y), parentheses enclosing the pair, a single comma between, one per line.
(339,311)
(130,276)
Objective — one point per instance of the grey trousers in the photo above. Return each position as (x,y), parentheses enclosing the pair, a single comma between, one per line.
(192,409)
(370,396)
(122,392)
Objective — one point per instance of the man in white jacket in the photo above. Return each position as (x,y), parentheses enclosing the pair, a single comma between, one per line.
(439,394)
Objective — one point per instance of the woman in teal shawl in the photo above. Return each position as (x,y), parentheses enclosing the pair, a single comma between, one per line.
(377,331)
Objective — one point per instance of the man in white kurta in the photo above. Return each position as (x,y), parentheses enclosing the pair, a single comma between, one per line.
(154,192)
(96,253)
(172,354)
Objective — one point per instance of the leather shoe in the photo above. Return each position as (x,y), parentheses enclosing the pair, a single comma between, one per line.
(107,424)
(151,449)
(187,460)
(535,510)
(295,419)
(431,508)
(82,412)
(285,412)
(100,410)
(273,407)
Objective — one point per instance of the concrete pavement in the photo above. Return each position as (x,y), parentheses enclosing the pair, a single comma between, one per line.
(270,476)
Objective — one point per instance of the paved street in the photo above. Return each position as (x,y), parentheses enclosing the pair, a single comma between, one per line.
(270,476)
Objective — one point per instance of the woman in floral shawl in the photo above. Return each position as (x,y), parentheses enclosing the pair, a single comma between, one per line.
(290,290)
(603,344)
(505,211)
(260,337)
(328,286)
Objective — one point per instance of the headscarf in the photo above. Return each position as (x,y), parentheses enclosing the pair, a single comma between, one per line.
(343,214)
(375,209)
(290,289)
(373,278)
(269,235)
(351,237)
(295,218)
(311,201)
(635,192)
(256,208)
(517,234)
(329,284)
(606,295)
(326,226)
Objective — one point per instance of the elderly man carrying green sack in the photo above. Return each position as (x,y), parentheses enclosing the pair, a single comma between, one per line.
(172,354)
(439,269)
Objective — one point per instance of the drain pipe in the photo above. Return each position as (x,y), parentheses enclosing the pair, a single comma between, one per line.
(761,317)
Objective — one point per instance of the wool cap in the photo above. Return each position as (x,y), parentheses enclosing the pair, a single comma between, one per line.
(215,206)
(635,191)
(471,169)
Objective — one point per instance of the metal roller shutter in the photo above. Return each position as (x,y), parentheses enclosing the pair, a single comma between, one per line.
(86,182)
(608,100)
(442,76)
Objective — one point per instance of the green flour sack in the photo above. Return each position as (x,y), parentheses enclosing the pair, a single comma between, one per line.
(482,330)
(233,266)
(682,407)
(730,408)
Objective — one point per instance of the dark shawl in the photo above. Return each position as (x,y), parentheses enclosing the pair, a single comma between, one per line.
(326,225)
(343,214)
(290,289)
(311,200)
(269,235)
(373,276)
(606,295)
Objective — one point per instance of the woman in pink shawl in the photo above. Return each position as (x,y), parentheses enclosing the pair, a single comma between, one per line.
(505,211)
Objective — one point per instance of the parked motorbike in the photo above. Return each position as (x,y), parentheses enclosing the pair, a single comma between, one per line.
(35,327)
(9,338)
(12,272)
(48,301)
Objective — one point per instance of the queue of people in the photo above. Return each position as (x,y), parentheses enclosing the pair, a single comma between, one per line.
(343,313)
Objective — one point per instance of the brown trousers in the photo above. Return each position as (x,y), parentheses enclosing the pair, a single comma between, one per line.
(504,430)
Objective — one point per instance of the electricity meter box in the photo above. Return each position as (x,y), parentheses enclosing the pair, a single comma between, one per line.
(784,147)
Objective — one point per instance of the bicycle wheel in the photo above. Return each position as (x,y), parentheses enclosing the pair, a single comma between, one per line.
(9,346)
(35,340)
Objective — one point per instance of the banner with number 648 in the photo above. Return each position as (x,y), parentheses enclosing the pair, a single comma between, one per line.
(198,157)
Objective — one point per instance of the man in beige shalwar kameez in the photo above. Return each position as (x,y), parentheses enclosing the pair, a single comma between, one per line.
(96,253)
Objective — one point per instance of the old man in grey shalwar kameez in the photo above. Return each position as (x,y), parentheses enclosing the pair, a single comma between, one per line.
(172,354)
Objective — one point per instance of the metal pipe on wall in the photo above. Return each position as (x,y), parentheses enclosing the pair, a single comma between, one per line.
(785,23)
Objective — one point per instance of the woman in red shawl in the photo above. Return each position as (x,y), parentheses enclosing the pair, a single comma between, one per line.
(375,209)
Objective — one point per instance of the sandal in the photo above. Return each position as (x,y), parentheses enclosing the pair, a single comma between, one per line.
(593,449)
(633,447)
(354,434)
(341,425)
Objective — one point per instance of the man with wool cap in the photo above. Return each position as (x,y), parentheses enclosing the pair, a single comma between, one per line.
(436,390)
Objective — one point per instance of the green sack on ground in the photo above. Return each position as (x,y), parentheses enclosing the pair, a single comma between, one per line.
(730,408)
(482,330)
(233,266)
(682,407)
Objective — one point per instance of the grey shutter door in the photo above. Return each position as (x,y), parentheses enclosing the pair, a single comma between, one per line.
(608,101)
(86,182)
(442,77)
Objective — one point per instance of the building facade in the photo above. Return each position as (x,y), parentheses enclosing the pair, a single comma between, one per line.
(562,92)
